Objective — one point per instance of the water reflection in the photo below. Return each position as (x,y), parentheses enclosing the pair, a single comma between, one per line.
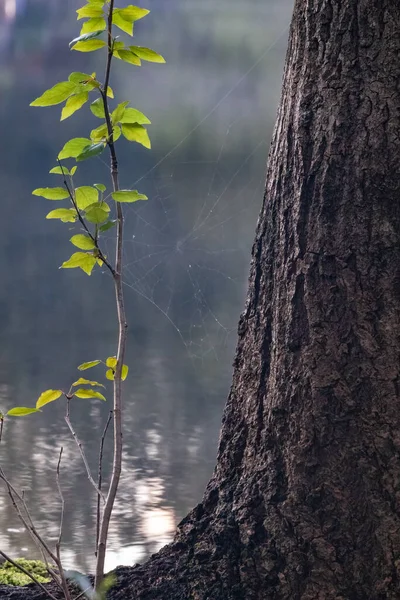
(186,254)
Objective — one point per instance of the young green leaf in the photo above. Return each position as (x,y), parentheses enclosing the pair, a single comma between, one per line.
(132,115)
(56,193)
(97,214)
(60,171)
(82,381)
(99,134)
(81,260)
(86,37)
(89,365)
(78,77)
(91,150)
(147,54)
(55,95)
(88,393)
(21,411)
(136,133)
(100,186)
(66,215)
(128,56)
(133,13)
(48,396)
(110,93)
(119,21)
(89,46)
(73,170)
(89,11)
(128,196)
(97,108)
(74,147)
(96,24)
(111,361)
(82,241)
(85,196)
(118,112)
(73,104)
(108,225)
(110,373)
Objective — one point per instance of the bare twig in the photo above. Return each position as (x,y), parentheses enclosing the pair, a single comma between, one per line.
(122,326)
(58,543)
(99,477)
(1,426)
(23,570)
(81,450)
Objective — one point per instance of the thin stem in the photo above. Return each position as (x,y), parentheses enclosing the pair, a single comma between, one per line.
(82,221)
(81,450)
(122,327)
(99,477)
(23,570)
(58,543)
(1,427)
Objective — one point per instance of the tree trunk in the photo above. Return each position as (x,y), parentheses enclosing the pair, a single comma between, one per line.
(304,502)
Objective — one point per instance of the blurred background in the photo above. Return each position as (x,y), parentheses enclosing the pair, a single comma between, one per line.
(187,254)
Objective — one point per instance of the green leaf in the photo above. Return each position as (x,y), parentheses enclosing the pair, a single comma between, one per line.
(67,215)
(118,112)
(147,54)
(133,13)
(124,372)
(110,93)
(21,411)
(55,95)
(89,46)
(97,108)
(98,214)
(79,77)
(110,374)
(119,21)
(86,37)
(129,57)
(111,361)
(96,24)
(108,225)
(82,381)
(48,396)
(100,186)
(100,133)
(88,393)
(132,115)
(92,150)
(60,171)
(73,170)
(128,196)
(84,242)
(57,193)
(74,147)
(85,196)
(89,11)
(81,260)
(89,365)
(136,133)
(73,104)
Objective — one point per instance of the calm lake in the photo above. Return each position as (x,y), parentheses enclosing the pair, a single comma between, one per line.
(187,253)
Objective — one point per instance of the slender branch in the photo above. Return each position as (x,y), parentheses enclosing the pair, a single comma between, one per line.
(21,568)
(83,223)
(99,477)
(1,427)
(58,543)
(81,450)
(122,327)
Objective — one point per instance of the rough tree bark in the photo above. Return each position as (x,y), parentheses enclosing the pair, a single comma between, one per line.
(304,502)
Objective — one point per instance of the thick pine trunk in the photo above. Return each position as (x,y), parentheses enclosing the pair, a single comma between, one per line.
(305,500)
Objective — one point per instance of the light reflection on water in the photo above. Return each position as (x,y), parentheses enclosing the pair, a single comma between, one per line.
(186,255)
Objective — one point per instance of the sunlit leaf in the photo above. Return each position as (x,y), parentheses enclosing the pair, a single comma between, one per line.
(97,214)
(82,381)
(60,171)
(89,151)
(97,108)
(88,393)
(136,133)
(73,104)
(89,46)
(56,193)
(132,115)
(133,13)
(129,57)
(82,241)
(74,147)
(89,11)
(128,196)
(55,95)
(119,21)
(96,24)
(100,133)
(73,170)
(110,93)
(21,411)
(66,215)
(111,361)
(81,260)
(85,196)
(147,54)
(108,225)
(89,365)
(118,112)
(110,374)
(79,77)
(86,37)
(100,186)
(48,396)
